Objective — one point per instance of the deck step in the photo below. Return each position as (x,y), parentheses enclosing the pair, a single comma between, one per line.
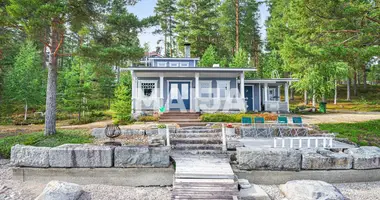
(197,140)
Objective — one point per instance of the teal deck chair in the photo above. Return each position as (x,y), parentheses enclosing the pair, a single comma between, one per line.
(283,127)
(300,128)
(246,120)
(260,128)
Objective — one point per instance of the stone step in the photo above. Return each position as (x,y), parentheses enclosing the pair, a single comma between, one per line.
(199,152)
(197,147)
(196,135)
(179,116)
(191,124)
(197,140)
(203,130)
(177,119)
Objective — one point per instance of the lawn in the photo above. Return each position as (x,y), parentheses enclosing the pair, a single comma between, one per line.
(365,101)
(362,133)
(38,139)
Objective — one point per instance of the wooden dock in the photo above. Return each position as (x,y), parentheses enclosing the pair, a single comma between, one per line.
(204,177)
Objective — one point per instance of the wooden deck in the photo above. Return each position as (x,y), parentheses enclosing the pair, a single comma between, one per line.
(203,177)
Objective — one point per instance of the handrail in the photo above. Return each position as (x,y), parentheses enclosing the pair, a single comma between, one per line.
(224,148)
(300,139)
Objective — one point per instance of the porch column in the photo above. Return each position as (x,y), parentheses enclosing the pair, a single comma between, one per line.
(161,89)
(287,95)
(265,95)
(196,92)
(134,91)
(242,91)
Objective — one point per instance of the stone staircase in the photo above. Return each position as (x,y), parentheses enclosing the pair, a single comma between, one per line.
(183,119)
(197,140)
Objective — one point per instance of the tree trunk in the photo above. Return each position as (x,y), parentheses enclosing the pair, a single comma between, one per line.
(364,77)
(51,90)
(291,93)
(26,111)
(348,89)
(313,102)
(237,24)
(305,97)
(335,92)
(355,84)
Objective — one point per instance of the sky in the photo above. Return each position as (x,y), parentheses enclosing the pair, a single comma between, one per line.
(145,8)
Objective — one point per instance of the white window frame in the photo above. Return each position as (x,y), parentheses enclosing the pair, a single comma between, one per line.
(161,64)
(184,64)
(218,83)
(209,88)
(140,93)
(173,63)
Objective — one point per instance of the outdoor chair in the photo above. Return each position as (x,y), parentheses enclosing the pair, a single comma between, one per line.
(246,121)
(283,127)
(299,128)
(261,129)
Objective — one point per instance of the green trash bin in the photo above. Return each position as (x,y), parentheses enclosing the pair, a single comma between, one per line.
(322,107)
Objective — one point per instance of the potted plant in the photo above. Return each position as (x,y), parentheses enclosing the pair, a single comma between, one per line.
(230,130)
(161,129)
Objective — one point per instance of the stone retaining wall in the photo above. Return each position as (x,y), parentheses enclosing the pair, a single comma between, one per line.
(308,159)
(89,156)
(99,132)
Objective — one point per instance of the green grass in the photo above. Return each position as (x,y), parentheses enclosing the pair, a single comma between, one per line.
(362,133)
(38,139)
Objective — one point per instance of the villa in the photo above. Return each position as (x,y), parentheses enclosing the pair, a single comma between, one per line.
(178,84)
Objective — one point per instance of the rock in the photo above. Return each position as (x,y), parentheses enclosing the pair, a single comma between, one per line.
(326,159)
(55,190)
(268,158)
(310,190)
(79,155)
(366,157)
(233,144)
(142,156)
(244,183)
(253,193)
(30,156)
(157,140)
(99,132)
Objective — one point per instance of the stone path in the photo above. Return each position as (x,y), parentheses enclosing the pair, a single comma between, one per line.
(203,177)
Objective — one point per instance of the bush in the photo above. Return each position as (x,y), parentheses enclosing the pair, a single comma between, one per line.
(235,118)
(147,119)
(38,139)
(161,126)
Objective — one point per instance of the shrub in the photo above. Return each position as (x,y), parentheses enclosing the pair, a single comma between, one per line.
(161,126)
(235,118)
(148,118)
(38,139)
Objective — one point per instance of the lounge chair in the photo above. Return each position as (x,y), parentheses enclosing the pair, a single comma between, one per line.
(261,129)
(246,120)
(299,128)
(283,126)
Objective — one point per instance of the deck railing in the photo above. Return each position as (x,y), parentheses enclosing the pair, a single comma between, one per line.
(326,142)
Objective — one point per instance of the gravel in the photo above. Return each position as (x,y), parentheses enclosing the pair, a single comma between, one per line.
(17,190)
(352,191)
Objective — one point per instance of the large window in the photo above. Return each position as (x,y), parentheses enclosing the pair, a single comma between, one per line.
(223,89)
(147,88)
(205,89)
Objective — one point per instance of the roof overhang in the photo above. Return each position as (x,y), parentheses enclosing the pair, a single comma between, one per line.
(187,69)
(274,80)
(164,58)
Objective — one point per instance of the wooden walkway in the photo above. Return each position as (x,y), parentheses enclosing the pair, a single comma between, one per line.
(203,177)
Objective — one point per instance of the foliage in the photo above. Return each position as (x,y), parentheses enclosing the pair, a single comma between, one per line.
(148,118)
(362,133)
(209,58)
(25,83)
(240,59)
(161,126)
(165,10)
(235,118)
(38,139)
(121,105)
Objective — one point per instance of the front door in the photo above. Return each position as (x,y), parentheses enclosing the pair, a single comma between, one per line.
(248,97)
(179,95)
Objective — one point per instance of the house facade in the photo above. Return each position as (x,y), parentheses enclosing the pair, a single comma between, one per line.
(177,84)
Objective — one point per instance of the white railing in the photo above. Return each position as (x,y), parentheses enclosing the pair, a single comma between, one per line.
(167,135)
(224,147)
(326,142)
(141,104)
(275,106)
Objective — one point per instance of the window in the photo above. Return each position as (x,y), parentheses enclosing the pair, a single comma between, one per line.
(161,64)
(148,89)
(205,89)
(223,89)
(185,91)
(173,64)
(174,91)
(184,64)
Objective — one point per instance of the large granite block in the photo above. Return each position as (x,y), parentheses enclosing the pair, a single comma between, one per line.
(142,156)
(366,157)
(30,156)
(268,158)
(79,155)
(99,132)
(325,159)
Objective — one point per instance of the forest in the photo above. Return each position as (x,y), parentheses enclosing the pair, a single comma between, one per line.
(61,60)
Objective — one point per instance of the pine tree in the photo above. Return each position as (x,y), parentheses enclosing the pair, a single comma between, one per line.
(165,11)
(121,105)
(240,59)
(209,58)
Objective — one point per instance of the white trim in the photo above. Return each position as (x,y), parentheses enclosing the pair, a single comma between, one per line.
(139,91)
(184,59)
(253,97)
(277,80)
(210,88)
(228,88)
(167,92)
(260,97)
(184,64)
(174,63)
(191,69)
(161,64)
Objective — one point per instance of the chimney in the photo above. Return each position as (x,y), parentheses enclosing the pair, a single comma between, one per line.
(187,50)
